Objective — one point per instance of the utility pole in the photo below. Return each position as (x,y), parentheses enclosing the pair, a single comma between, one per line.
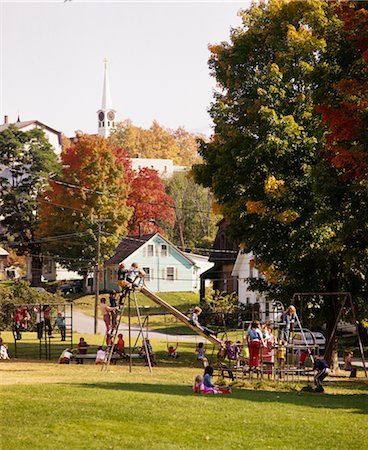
(99,223)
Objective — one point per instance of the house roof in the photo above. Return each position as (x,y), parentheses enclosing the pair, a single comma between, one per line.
(224,249)
(26,123)
(3,252)
(127,246)
(130,244)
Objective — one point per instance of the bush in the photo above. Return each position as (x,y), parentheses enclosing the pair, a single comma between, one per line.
(20,293)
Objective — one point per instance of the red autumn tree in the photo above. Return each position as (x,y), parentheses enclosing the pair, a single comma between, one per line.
(345,108)
(151,205)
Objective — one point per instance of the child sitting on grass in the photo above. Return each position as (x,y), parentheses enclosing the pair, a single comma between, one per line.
(100,356)
(66,356)
(203,385)
(3,350)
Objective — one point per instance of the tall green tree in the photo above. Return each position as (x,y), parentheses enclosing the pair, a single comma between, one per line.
(266,163)
(195,222)
(93,185)
(27,159)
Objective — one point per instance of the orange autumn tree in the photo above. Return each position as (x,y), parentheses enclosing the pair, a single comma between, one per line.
(94,183)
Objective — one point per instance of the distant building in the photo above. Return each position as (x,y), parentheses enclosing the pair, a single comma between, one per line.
(3,263)
(223,254)
(167,268)
(53,136)
(52,271)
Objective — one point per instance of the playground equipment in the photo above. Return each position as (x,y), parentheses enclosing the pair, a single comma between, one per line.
(346,302)
(128,299)
(110,338)
(41,331)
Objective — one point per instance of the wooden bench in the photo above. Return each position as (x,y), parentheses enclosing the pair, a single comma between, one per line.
(115,356)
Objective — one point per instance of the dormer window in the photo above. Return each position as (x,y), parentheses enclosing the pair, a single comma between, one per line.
(164,249)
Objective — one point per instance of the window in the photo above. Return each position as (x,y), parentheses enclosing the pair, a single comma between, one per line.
(150,250)
(147,277)
(163,250)
(170,273)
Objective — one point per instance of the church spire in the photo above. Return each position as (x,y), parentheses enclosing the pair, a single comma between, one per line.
(106,95)
(106,115)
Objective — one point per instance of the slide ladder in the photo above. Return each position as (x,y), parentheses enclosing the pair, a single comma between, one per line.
(179,315)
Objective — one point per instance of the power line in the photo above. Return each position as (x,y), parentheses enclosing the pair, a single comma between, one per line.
(94,191)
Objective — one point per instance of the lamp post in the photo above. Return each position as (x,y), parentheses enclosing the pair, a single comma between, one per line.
(99,223)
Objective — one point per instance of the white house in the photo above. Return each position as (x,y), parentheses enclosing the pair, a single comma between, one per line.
(245,269)
(52,271)
(167,268)
(53,136)
(3,263)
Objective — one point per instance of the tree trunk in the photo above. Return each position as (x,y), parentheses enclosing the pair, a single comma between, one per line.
(332,307)
(36,271)
(85,283)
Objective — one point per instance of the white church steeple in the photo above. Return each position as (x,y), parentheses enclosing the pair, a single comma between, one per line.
(106,115)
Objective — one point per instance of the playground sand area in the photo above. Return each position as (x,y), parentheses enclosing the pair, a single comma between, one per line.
(46,405)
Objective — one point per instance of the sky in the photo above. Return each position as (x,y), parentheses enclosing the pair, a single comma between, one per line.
(51,59)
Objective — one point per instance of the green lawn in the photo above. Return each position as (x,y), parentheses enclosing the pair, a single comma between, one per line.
(47,406)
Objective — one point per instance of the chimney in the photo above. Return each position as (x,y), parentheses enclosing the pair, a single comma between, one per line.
(6,120)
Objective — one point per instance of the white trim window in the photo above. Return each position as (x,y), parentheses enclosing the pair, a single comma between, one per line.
(147,271)
(150,250)
(164,250)
(170,273)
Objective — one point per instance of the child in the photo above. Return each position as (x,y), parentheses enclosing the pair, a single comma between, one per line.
(151,355)
(348,364)
(290,319)
(25,317)
(17,318)
(303,356)
(268,356)
(60,323)
(114,312)
(3,350)
(120,345)
(194,320)
(122,273)
(255,339)
(172,351)
(105,311)
(210,388)
(201,354)
(198,386)
(281,354)
(323,369)
(66,356)
(47,318)
(82,349)
(100,356)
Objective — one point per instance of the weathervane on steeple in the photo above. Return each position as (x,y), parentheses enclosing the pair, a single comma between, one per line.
(106,115)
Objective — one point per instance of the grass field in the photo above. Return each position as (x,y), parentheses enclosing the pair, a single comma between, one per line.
(47,406)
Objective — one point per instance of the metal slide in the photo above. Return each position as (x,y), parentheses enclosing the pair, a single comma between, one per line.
(179,315)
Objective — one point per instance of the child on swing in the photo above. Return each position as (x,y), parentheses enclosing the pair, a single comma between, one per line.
(171,350)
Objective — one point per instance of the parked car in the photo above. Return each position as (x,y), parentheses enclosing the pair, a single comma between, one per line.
(312,338)
(73,287)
